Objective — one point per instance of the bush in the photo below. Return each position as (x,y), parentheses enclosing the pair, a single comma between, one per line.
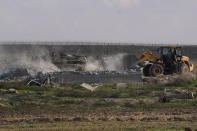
(103,103)
(107,92)
(22,86)
(15,85)
(72,92)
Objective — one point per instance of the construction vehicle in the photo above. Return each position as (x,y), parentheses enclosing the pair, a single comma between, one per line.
(170,61)
(66,61)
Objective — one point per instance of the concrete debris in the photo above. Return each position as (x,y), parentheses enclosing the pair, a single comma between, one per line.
(121,85)
(166,79)
(161,79)
(138,67)
(2,105)
(106,72)
(12,91)
(170,94)
(175,91)
(40,80)
(62,77)
(87,86)
(3,91)
(95,77)
(34,83)
(14,74)
(90,87)
(9,91)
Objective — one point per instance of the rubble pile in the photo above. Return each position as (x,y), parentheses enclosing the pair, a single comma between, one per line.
(41,66)
(62,77)
(95,77)
(15,74)
(90,87)
(165,79)
(9,91)
(172,94)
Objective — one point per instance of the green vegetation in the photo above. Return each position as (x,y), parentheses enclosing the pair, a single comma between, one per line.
(74,101)
(73,96)
(102,125)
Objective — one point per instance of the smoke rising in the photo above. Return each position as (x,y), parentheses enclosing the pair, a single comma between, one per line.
(111,63)
(93,65)
(34,60)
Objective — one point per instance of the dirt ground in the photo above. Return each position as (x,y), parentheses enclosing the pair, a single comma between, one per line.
(163,119)
(167,115)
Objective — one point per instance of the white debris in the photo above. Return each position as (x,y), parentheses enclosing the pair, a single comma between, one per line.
(90,87)
(12,91)
(121,85)
(2,105)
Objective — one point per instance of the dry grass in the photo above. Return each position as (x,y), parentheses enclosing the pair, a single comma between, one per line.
(102,125)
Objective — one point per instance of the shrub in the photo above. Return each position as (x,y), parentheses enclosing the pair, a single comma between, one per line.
(107,92)
(72,92)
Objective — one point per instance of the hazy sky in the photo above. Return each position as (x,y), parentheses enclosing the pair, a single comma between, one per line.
(147,21)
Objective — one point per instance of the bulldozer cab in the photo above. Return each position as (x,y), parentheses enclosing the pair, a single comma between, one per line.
(170,54)
(171,57)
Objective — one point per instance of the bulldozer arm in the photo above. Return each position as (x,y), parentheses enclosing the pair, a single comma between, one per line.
(185,60)
(148,56)
(191,67)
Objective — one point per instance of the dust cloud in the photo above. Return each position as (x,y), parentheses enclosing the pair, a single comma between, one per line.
(110,63)
(34,60)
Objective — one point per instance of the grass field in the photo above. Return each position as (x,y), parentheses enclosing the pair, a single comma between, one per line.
(103,125)
(72,107)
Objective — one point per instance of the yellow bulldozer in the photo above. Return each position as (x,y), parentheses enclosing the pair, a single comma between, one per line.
(170,61)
